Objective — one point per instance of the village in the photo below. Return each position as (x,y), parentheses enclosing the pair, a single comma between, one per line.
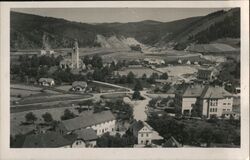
(74,101)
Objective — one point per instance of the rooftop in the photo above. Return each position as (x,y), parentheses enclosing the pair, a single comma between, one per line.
(45,140)
(45,80)
(193,91)
(215,92)
(79,83)
(86,134)
(87,119)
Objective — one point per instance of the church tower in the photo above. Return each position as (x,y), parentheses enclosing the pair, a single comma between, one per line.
(75,55)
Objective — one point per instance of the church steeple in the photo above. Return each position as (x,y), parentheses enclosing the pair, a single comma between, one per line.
(75,54)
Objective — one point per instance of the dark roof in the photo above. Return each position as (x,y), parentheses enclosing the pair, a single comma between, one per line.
(193,91)
(136,126)
(206,72)
(86,134)
(172,142)
(45,80)
(87,119)
(79,83)
(215,92)
(45,140)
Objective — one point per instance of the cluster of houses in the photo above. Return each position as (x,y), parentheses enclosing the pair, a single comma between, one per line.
(84,130)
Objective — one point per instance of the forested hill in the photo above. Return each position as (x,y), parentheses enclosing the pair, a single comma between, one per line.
(27,31)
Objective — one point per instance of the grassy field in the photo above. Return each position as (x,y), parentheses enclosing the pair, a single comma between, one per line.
(139,71)
(51,98)
(178,70)
(17,118)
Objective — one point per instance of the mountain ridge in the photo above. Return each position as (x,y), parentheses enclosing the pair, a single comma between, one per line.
(27,30)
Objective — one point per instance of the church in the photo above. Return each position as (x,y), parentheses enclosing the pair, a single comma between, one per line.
(73,62)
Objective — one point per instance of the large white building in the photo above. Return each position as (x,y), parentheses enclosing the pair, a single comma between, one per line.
(211,100)
(101,122)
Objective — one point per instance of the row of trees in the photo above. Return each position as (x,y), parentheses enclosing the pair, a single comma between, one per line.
(192,132)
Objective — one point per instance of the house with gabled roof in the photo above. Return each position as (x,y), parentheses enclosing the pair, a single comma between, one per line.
(46,81)
(79,86)
(144,133)
(101,122)
(211,100)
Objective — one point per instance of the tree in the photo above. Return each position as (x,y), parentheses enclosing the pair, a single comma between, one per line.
(144,77)
(67,115)
(166,87)
(164,76)
(138,86)
(97,61)
(136,95)
(130,77)
(30,117)
(86,60)
(47,117)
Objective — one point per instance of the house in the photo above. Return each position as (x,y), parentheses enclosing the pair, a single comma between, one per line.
(215,100)
(46,140)
(144,133)
(188,97)
(205,74)
(230,114)
(79,86)
(101,122)
(46,81)
(88,136)
(46,52)
(188,62)
(211,100)
(179,61)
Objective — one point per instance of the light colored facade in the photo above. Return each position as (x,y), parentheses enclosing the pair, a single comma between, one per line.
(78,144)
(101,123)
(46,81)
(101,128)
(216,106)
(145,135)
(211,100)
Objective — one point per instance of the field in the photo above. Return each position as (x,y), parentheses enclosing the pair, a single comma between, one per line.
(178,70)
(17,118)
(139,71)
(51,98)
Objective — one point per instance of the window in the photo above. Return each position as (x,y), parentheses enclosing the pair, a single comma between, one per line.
(229,104)
(147,134)
(142,135)
(224,103)
(102,130)
(228,109)
(141,142)
(224,109)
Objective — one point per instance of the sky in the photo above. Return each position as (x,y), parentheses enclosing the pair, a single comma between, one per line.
(123,15)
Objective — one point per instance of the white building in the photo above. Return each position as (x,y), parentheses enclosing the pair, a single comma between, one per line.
(101,123)
(46,81)
(144,133)
(211,100)
(79,86)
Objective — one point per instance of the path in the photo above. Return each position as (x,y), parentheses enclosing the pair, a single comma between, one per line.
(140,107)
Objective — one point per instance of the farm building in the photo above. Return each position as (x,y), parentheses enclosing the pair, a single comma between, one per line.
(154,61)
(79,86)
(46,81)
(101,123)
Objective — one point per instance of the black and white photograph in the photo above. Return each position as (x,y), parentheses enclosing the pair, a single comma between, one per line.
(126,77)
